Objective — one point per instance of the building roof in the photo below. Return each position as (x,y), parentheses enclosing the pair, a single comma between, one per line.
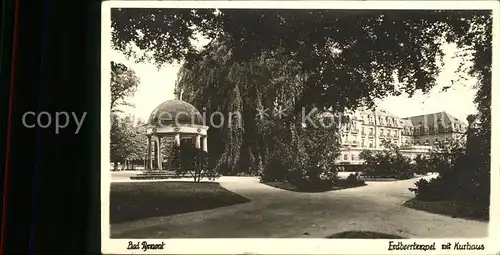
(434,119)
(429,120)
(379,112)
(406,123)
(170,110)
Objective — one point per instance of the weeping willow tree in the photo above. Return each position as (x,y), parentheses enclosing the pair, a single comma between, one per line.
(256,97)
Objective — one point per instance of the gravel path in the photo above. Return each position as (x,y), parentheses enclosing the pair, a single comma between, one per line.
(276,213)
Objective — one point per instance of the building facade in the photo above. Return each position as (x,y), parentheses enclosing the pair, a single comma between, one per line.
(371,128)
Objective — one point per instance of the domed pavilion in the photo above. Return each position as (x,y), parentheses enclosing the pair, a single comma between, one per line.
(177,119)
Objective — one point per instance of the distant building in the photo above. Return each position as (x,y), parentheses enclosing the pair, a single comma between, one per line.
(416,135)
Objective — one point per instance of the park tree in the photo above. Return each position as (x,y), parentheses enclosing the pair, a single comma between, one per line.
(124,83)
(128,141)
(351,57)
(330,59)
(139,142)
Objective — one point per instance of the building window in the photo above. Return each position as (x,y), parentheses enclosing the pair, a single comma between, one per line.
(352,157)
(371,145)
(371,131)
(345,156)
(362,130)
(362,142)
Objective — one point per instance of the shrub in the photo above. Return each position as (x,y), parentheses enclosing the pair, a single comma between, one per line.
(192,161)
(458,178)
(275,170)
(351,181)
(425,190)
(438,188)
(305,159)
(390,163)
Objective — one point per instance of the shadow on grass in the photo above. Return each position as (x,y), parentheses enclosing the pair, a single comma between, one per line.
(139,200)
(363,235)
(290,187)
(452,208)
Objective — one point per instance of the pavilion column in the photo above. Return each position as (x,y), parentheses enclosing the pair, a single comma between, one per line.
(197,142)
(177,139)
(150,161)
(205,144)
(158,151)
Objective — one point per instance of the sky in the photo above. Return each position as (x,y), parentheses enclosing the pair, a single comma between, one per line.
(157,85)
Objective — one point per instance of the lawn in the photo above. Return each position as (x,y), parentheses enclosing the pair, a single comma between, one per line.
(364,235)
(453,208)
(139,200)
(291,187)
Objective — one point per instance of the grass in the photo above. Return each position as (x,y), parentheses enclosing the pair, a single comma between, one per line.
(139,200)
(290,187)
(453,208)
(364,235)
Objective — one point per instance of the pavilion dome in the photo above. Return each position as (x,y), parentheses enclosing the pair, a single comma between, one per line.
(185,113)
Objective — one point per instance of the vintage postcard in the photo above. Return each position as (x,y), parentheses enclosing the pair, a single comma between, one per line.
(300,127)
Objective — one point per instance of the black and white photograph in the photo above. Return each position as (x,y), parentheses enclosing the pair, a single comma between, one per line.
(275,127)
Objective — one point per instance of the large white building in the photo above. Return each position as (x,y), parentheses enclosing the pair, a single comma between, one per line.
(368,128)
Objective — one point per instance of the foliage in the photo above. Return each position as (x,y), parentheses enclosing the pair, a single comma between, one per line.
(168,147)
(348,57)
(124,83)
(193,161)
(420,165)
(329,59)
(164,34)
(127,141)
(351,181)
(307,161)
(460,174)
(388,163)
(431,190)
(446,159)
